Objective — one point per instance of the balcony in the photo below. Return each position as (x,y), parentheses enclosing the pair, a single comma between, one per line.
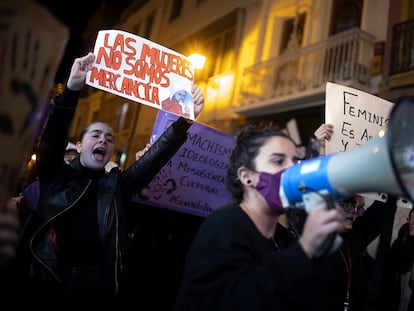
(296,79)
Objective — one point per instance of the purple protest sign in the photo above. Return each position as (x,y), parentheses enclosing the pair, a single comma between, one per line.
(193,180)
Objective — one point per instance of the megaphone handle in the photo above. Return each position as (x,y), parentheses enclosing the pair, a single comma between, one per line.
(333,241)
(331,244)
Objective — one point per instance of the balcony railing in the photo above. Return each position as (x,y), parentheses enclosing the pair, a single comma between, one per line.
(343,58)
(402,51)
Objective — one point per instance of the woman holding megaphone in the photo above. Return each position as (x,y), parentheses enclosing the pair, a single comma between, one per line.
(241,259)
(371,283)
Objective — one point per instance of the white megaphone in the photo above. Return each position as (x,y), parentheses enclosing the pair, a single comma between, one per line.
(384,164)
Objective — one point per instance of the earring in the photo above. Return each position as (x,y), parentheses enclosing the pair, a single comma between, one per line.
(248,181)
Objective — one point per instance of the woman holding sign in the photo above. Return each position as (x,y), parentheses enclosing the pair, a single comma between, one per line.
(75,239)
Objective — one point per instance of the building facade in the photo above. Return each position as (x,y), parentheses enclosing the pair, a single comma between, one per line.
(265,60)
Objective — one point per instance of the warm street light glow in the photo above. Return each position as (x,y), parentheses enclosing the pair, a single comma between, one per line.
(197,60)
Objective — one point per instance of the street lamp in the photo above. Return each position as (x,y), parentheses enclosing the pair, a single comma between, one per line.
(197,60)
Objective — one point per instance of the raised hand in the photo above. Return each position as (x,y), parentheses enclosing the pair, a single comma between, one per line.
(80,67)
(324,132)
(198,100)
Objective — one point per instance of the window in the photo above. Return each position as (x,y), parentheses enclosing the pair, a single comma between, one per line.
(176,9)
(122,117)
(136,28)
(217,42)
(148,25)
(288,27)
(219,52)
(346,14)
(95,115)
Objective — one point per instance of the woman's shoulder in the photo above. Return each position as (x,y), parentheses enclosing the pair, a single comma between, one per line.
(226,220)
(230,210)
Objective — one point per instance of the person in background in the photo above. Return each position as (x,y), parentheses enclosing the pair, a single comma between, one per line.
(353,208)
(240,258)
(400,269)
(367,280)
(322,134)
(411,280)
(74,240)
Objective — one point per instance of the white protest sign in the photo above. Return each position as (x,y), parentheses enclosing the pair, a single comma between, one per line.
(143,71)
(356,115)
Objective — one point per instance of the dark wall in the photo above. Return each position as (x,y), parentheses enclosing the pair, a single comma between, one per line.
(307,120)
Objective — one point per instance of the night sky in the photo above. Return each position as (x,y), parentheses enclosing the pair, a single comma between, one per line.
(64,11)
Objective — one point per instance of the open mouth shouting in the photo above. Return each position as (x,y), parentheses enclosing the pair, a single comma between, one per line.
(99,154)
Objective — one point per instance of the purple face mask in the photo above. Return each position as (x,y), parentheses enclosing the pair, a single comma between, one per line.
(268,186)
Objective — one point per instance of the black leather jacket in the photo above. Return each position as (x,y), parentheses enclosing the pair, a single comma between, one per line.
(62,186)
